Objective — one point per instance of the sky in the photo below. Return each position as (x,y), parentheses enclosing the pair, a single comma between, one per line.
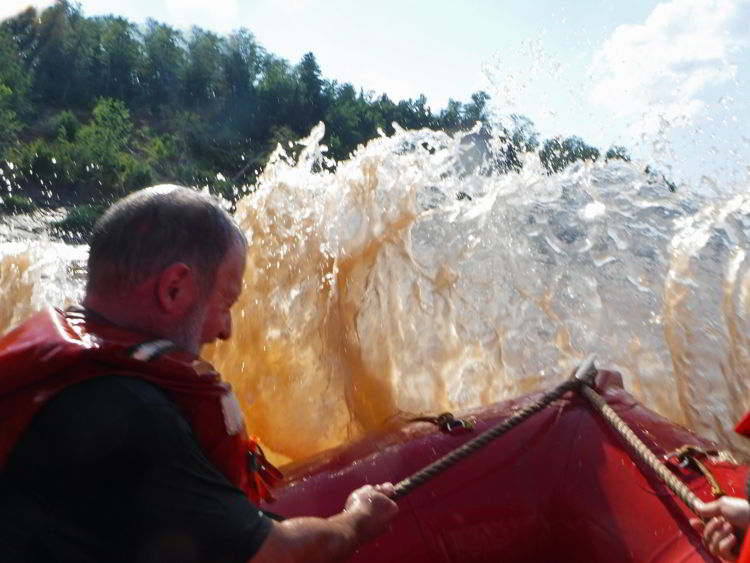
(669,80)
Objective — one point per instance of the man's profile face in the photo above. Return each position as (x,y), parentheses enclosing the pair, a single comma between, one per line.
(217,318)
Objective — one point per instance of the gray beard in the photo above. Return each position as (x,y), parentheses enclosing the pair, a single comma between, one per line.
(187,332)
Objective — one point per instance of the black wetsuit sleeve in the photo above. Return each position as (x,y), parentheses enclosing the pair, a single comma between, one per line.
(117,467)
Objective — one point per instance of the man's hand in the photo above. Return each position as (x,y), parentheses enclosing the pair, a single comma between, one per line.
(367,512)
(721,520)
(372,509)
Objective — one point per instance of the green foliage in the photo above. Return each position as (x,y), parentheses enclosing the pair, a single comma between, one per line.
(101,141)
(79,222)
(9,126)
(458,116)
(136,174)
(310,103)
(477,109)
(17,204)
(39,158)
(523,136)
(13,76)
(83,161)
(617,152)
(91,108)
(557,154)
(164,65)
(204,79)
(66,125)
(63,51)
(120,60)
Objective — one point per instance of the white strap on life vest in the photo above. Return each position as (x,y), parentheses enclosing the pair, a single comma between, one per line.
(150,350)
(233,418)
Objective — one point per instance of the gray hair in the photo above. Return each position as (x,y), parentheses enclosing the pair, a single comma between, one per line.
(150,229)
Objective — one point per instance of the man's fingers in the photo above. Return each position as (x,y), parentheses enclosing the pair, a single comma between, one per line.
(711,531)
(386,488)
(726,545)
(698,525)
(709,510)
(716,530)
(711,526)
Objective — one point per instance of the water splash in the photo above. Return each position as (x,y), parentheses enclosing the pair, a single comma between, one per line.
(409,281)
(413,278)
(36,271)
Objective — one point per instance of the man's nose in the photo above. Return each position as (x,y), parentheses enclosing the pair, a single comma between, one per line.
(226,329)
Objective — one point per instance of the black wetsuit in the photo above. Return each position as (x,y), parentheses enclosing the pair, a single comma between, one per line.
(109,470)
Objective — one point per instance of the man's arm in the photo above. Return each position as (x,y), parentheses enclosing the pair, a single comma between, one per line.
(124,452)
(368,510)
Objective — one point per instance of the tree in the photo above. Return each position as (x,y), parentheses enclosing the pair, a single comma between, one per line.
(523,136)
(100,143)
(242,62)
(310,103)
(558,153)
(164,64)
(13,75)
(204,78)
(617,152)
(120,59)
(277,95)
(348,124)
(477,110)
(450,117)
(9,126)
(23,31)
(83,51)
(53,64)
(207,106)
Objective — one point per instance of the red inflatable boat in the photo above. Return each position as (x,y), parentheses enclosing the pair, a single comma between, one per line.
(562,486)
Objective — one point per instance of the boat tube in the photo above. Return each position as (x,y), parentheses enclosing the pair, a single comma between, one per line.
(561,486)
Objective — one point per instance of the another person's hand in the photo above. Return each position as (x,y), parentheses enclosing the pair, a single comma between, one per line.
(372,508)
(606,378)
(721,520)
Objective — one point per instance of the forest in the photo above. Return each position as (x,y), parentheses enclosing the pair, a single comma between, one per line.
(92,108)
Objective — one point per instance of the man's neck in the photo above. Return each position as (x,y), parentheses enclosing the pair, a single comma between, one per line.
(123,313)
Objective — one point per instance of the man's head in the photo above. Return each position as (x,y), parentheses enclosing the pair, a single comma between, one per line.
(169,261)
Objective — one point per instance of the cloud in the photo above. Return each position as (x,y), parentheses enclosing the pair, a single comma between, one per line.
(10,8)
(659,72)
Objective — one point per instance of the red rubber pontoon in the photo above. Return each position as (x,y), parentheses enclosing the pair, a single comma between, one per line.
(562,486)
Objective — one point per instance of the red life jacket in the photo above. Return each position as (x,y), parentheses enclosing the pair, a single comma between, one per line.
(55,349)
(743,427)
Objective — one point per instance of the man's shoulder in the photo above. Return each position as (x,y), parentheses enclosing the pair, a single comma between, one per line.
(99,423)
(123,391)
(109,412)
(115,398)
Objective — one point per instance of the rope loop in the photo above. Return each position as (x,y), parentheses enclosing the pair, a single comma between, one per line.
(407,485)
(582,382)
(643,452)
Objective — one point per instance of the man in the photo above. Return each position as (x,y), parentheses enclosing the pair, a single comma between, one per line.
(721,519)
(116,442)
(724,522)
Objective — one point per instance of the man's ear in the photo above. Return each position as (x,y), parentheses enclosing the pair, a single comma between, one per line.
(177,288)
